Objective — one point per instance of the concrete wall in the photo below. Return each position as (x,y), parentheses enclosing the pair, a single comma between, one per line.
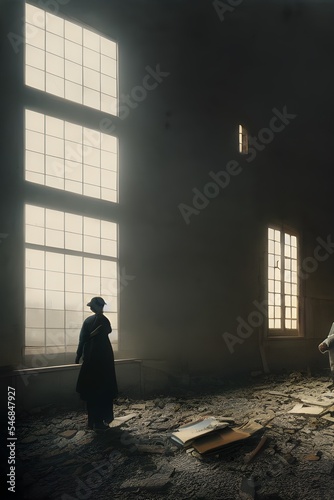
(192,281)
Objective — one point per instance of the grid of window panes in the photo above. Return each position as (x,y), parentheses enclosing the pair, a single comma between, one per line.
(70,157)
(59,283)
(274,279)
(69,61)
(243,140)
(282,280)
(290,281)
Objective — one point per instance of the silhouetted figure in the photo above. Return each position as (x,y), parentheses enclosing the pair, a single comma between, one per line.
(97,384)
(328,346)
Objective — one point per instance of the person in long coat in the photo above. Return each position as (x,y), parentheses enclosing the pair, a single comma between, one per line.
(327,345)
(97,384)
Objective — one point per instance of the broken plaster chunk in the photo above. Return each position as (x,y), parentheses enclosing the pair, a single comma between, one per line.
(29,439)
(304,409)
(118,421)
(154,483)
(79,435)
(317,401)
(68,434)
(313,457)
(138,406)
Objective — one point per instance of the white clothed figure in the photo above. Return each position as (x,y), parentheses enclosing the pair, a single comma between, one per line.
(328,346)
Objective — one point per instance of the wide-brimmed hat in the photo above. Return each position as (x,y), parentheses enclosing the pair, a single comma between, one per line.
(98,301)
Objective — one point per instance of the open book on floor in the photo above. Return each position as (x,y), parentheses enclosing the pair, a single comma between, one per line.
(219,440)
(225,440)
(186,434)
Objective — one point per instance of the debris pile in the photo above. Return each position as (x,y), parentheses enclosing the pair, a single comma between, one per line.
(274,440)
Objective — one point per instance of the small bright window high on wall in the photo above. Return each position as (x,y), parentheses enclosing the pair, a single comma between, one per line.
(69,61)
(243,140)
(282,282)
(69,259)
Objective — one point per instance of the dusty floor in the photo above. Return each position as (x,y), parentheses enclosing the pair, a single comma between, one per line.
(60,459)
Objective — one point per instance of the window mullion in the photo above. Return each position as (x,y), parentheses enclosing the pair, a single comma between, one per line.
(282,282)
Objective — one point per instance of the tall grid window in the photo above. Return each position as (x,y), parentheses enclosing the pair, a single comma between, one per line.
(282,282)
(243,140)
(67,156)
(69,61)
(69,259)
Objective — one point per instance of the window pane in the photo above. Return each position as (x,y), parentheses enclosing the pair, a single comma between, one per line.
(54,261)
(34,161)
(54,319)
(35,278)
(54,238)
(74,319)
(35,336)
(73,283)
(92,245)
(34,15)
(108,48)
(91,98)
(92,267)
(73,301)
(55,85)
(54,300)
(91,59)
(35,36)
(54,280)
(73,92)
(54,24)
(35,318)
(34,235)
(35,57)
(73,52)
(92,285)
(73,32)
(73,264)
(34,259)
(55,65)
(73,241)
(55,44)
(55,337)
(34,141)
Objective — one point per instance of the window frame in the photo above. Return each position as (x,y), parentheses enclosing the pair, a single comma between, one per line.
(283,332)
(116,108)
(58,107)
(242,140)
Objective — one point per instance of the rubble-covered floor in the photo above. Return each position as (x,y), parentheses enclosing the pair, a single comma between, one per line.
(60,459)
